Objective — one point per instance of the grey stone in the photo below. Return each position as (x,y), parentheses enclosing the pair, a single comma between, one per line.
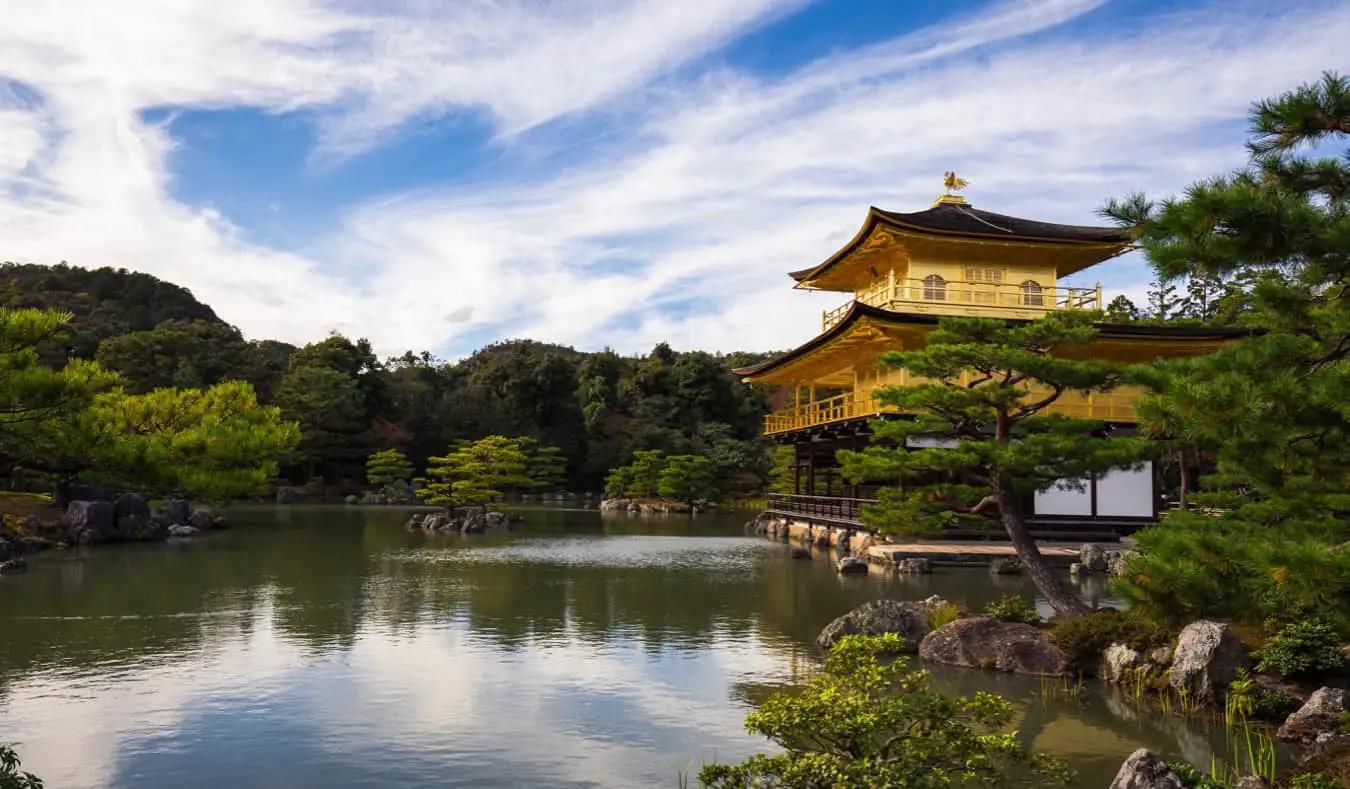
(1161,656)
(851,564)
(131,504)
(183,531)
(1117,560)
(907,619)
(351,498)
(178,512)
(1207,658)
(13,567)
(1005,567)
(1117,661)
(1320,713)
(985,642)
(801,553)
(1146,770)
(202,520)
(914,566)
(1078,568)
(1251,782)
(1092,557)
(89,522)
(287,494)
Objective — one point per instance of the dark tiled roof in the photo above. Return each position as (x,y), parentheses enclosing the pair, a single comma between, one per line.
(969,220)
(962,220)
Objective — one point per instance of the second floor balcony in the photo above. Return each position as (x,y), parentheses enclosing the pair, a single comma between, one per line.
(935,295)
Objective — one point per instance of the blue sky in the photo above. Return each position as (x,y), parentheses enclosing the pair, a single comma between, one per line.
(596,172)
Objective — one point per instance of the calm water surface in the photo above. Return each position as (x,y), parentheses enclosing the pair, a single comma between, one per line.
(326,647)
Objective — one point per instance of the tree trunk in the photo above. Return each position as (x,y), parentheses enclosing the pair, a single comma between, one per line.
(1183,494)
(1048,582)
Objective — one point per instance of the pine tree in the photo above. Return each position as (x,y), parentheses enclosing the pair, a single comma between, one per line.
(1122,310)
(989,388)
(477,472)
(1273,409)
(1162,300)
(687,478)
(386,466)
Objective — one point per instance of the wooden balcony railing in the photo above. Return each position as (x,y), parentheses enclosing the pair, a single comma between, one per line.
(835,409)
(936,295)
(824,508)
(1117,407)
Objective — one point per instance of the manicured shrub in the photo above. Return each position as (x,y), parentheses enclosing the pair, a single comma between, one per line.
(1085,638)
(943,614)
(1013,608)
(1308,647)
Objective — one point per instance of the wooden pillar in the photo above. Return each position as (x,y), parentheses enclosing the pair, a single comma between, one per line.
(810,470)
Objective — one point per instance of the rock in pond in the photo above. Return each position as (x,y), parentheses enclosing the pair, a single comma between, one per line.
(1320,713)
(915,566)
(13,567)
(351,498)
(184,531)
(1207,657)
(851,564)
(1146,770)
(178,512)
(1092,557)
(201,520)
(987,643)
(800,553)
(1005,567)
(89,522)
(907,619)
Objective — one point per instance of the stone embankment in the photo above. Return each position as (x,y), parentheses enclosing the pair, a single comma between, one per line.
(128,518)
(651,506)
(463,520)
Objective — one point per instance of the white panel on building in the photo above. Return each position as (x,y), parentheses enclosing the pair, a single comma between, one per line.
(1064,500)
(927,442)
(1122,493)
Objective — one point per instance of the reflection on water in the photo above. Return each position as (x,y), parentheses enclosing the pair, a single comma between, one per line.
(327,647)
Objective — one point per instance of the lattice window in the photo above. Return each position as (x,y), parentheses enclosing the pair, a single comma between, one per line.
(934,288)
(985,276)
(1032,294)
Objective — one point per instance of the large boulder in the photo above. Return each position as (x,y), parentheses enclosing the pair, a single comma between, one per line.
(1322,712)
(907,619)
(202,520)
(851,564)
(1118,661)
(287,494)
(129,504)
(178,512)
(1207,658)
(90,522)
(1092,557)
(914,566)
(1146,770)
(985,642)
(13,566)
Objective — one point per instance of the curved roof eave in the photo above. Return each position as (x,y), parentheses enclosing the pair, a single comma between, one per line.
(1108,330)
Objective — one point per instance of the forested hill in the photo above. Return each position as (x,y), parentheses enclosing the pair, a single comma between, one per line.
(106,302)
(597,407)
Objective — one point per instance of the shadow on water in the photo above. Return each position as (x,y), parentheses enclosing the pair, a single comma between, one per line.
(327,646)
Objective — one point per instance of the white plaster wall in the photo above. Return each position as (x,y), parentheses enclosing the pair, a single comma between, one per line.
(1126,493)
(1060,500)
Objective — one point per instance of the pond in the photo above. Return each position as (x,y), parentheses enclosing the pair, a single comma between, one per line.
(327,646)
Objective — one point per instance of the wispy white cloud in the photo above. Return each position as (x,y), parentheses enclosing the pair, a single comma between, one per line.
(716,183)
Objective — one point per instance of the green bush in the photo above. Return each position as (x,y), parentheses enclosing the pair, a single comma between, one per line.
(1200,567)
(868,721)
(1013,608)
(1085,638)
(1315,781)
(943,614)
(1308,647)
(11,777)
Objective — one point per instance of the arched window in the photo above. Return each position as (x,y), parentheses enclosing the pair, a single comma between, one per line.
(934,288)
(1031,294)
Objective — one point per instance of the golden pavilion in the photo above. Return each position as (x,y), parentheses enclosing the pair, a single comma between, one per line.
(902,272)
